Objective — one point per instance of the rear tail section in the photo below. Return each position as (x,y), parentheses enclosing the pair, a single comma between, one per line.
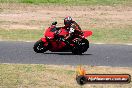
(87,33)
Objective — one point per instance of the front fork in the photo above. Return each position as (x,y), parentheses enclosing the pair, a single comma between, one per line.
(44,41)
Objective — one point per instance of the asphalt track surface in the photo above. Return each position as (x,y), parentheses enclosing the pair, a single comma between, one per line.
(97,55)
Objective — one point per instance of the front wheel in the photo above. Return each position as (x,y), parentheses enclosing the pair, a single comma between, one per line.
(39,47)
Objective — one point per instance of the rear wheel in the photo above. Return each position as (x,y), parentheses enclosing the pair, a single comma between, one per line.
(81,47)
(76,50)
(84,45)
(39,47)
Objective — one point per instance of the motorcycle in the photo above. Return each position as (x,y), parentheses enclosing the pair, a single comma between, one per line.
(53,41)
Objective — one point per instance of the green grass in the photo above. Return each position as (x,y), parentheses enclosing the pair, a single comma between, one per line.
(31,75)
(71,2)
(53,76)
(112,35)
(20,34)
(99,35)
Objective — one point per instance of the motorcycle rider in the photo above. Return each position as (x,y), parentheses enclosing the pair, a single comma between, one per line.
(73,28)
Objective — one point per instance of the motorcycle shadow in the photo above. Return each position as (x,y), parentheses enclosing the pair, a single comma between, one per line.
(63,53)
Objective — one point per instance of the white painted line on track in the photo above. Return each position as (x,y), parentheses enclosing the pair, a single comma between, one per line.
(29,41)
(98,43)
(129,44)
(113,43)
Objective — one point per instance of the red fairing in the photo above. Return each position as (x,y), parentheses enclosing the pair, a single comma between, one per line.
(43,39)
(87,33)
(57,46)
(63,32)
(48,32)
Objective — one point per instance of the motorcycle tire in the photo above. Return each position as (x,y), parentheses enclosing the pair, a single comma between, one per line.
(39,47)
(76,50)
(81,80)
(81,48)
(84,45)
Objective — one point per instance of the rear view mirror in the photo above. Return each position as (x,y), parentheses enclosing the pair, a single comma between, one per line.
(54,23)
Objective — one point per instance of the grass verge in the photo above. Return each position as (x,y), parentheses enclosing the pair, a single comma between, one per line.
(123,35)
(99,35)
(20,34)
(72,2)
(49,76)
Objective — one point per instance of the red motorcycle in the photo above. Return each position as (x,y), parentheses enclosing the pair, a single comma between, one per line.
(53,41)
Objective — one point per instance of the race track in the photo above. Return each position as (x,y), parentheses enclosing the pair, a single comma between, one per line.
(97,55)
